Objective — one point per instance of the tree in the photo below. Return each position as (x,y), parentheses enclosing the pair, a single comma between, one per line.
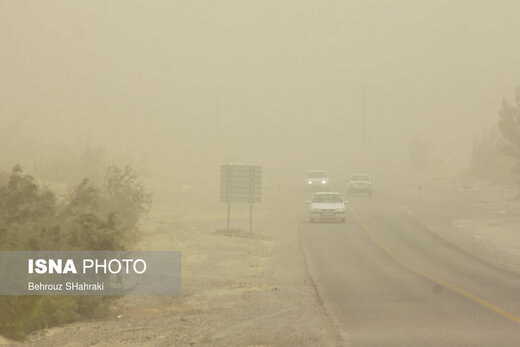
(487,160)
(91,218)
(126,198)
(509,125)
(21,200)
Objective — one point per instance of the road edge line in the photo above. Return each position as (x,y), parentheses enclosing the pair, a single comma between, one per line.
(434,279)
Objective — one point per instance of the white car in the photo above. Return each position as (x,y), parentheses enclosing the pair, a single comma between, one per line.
(360,183)
(327,206)
(316,180)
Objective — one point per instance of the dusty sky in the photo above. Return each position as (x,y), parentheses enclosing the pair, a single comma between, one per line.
(278,83)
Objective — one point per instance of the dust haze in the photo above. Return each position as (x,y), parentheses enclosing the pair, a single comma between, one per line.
(282,84)
(147,99)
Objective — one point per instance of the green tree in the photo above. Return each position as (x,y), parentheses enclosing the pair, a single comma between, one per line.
(509,125)
(487,161)
(89,219)
(126,198)
(21,200)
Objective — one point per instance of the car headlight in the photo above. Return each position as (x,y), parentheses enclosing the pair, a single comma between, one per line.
(309,182)
(324,182)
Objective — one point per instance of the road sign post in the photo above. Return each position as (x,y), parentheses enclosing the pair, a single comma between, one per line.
(242,184)
(251,218)
(228,214)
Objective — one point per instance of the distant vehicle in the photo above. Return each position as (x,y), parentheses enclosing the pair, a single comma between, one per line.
(327,206)
(360,183)
(316,180)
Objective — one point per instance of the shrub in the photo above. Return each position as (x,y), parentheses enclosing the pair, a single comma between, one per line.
(89,219)
(487,160)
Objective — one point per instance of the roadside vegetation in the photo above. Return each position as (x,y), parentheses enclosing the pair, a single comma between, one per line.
(509,125)
(496,154)
(488,162)
(91,217)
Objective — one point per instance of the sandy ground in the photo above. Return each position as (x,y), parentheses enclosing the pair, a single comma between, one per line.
(479,217)
(239,288)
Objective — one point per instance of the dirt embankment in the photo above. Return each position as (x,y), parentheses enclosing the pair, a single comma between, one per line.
(479,217)
(239,289)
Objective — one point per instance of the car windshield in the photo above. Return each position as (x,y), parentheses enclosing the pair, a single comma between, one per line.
(316,174)
(327,198)
(360,178)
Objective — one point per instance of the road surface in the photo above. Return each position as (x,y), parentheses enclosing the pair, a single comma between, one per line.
(387,280)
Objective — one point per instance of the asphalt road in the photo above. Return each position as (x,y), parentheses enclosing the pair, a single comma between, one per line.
(387,280)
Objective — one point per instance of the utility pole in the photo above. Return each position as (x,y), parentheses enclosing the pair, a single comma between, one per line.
(217,135)
(363,88)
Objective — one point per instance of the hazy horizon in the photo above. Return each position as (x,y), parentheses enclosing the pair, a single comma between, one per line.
(273,83)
